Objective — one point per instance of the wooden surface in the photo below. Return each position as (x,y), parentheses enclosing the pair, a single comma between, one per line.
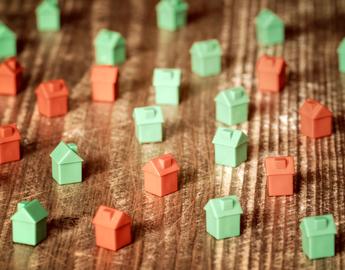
(169,232)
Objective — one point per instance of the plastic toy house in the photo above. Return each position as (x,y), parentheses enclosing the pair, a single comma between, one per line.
(52,98)
(206,57)
(230,147)
(9,143)
(104,83)
(110,48)
(318,236)
(8,42)
(66,164)
(232,106)
(166,82)
(48,16)
(341,56)
(148,124)
(270,73)
(315,119)
(29,223)
(112,228)
(160,175)
(171,14)
(269,28)
(223,216)
(280,172)
(10,77)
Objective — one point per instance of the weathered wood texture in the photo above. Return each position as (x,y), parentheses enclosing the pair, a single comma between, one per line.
(169,232)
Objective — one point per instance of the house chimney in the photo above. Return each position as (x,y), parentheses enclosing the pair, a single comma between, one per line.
(281,163)
(150,113)
(21,204)
(73,147)
(227,203)
(109,212)
(320,223)
(165,162)
(6,131)
(236,93)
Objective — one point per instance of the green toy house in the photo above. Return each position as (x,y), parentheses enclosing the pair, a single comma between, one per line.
(110,48)
(232,106)
(341,56)
(318,236)
(8,40)
(48,16)
(223,217)
(148,124)
(66,164)
(206,57)
(166,82)
(230,147)
(29,223)
(171,14)
(269,28)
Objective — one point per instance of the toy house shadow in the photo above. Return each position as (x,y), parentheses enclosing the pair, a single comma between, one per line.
(251,111)
(93,166)
(297,183)
(338,124)
(339,242)
(204,9)
(62,223)
(184,92)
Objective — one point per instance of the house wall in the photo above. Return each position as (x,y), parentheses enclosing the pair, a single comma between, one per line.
(321,246)
(150,133)
(229,226)
(123,236)
(105,237)
(24,232)
(70,173)
(9,151)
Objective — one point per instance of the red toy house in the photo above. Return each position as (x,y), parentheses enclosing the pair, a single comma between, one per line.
(270,73)
(315,119)
(9,143)
(104,83)
(10,76)
(112,228)
(52,98)
(280,172)
(160,175)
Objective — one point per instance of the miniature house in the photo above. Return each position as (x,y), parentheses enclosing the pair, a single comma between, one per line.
(9,143)
(171,14)
(148,124)
(341,56)
(270,73)
(166,82)
(10,77)
(269,28)
(29,223)
(232,106)
(223,216)
(280,172)
(315,119)
(8,42)
(318,236)
(206,57)
(160,175)
(48,16)
(112,228)
(66,164)
(110,48)
(52,98)
(230,147)
(104,81)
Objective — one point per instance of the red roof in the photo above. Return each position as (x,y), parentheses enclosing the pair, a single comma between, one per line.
(9,133)
(52,89)
(314,109)
(10,67)
(111,218)
(104,74)
(279,165)
(162,165)
(270,64)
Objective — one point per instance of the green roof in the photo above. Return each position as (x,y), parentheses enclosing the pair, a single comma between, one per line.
(341,47)
(166,77)
(30,211)
(5,31)
(109,38)
(267,18)
(177,5)
(225,206)
(47,6)
(232,96)
(318,225)
(205,48)
(229,137)
(65,153)
(148,115)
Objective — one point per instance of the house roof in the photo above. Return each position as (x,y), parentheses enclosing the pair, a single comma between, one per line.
(109,38)
(318,225)
(111,218)
(279,165)
(176,5)
(206,48)
(270,64)
(9,133)
(229,137)
(10,67)
(5,31)
(47,6)
(148,115)
(341,47)
(52,89)
(267,18)
(30,211)
(65,153)
(225,206)
(233,96)
(166,77)
(162,165)
(104,74)
(314,109)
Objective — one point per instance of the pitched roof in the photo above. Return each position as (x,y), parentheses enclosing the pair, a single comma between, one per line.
(279,165)
(176,5)
(9,133)
(229,137)
(52,89)
(111,218)
(166,77)
(5,31)
(109,38)
(318,225)
(267,18)
(162,165)
(225,206)
(206,48)
(47,6)
(148,115)
(314,109)
(270,64)
(65,153)
(232,96)
(341,47)
(104,73)
(30,211)
(10,67)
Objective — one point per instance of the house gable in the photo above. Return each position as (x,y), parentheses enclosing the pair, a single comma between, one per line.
(65,153)
(32,212)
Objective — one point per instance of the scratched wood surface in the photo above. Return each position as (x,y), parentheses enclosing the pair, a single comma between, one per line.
(169,232)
